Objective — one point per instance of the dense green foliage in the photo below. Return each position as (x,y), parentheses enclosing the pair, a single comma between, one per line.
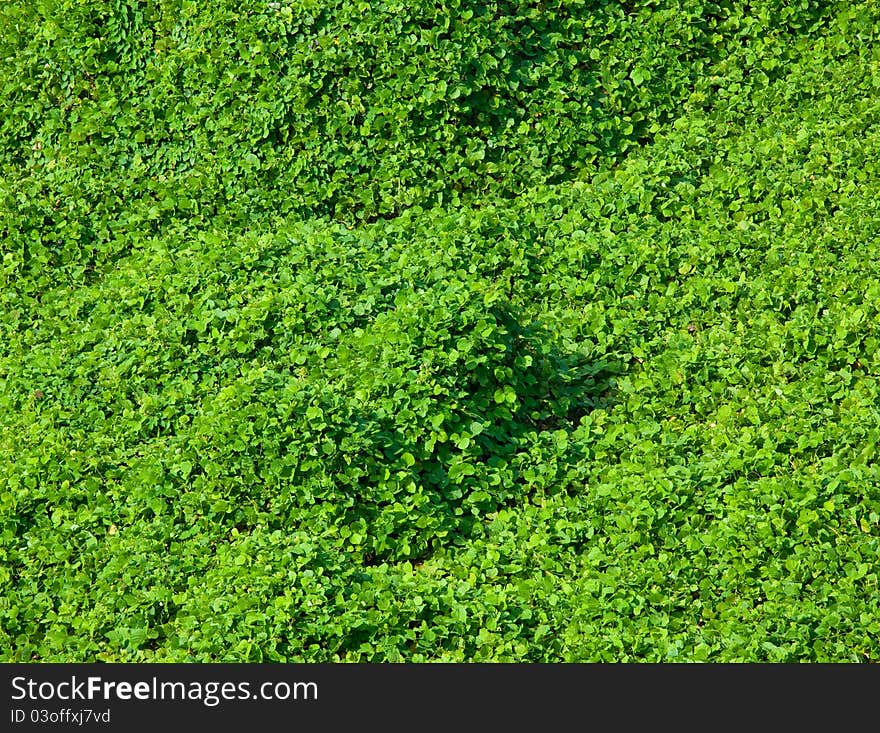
(409,331)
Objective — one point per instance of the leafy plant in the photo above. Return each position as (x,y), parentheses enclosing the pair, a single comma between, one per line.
(533,331)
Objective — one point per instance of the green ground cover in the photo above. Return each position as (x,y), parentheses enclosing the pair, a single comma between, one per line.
(538,331)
